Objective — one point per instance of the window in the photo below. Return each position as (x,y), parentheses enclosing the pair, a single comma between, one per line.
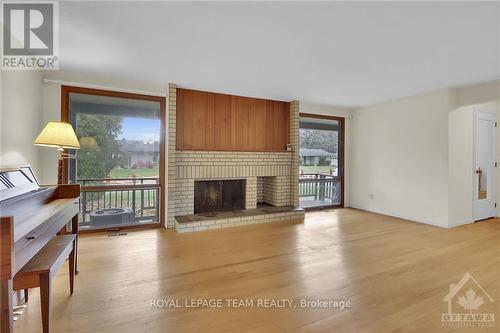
(120,163)
(321,161)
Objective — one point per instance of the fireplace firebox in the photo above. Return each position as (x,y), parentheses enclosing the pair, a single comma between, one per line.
(219,195)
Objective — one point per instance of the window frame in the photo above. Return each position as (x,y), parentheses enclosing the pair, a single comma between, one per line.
(65,117)
(341,154)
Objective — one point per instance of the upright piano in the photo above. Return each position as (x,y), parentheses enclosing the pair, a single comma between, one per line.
(31,215)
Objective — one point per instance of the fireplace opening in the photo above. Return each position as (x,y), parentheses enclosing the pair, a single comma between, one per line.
(219,195)
(267,191)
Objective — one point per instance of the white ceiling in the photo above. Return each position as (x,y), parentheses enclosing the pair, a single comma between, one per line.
(338,53)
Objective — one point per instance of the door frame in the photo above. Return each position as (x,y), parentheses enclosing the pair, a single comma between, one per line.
(66,90)
(341,121)
(491,111)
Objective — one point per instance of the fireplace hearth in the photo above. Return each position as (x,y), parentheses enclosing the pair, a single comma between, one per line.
(219,195)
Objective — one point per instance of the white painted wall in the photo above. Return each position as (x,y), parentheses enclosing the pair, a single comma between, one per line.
(399,154)
(327,110)
(415,154)
(479,93)
(51,95)
(486,97)
(461,131)
(20,118)
(497,107)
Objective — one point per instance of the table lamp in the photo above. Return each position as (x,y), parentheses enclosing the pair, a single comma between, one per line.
(61,136)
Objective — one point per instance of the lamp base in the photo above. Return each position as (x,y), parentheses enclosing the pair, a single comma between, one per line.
(60,172)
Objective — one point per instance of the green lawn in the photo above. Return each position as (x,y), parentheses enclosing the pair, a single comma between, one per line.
(316,169)
(128,173)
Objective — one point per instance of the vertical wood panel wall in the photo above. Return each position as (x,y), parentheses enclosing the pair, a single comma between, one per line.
(210,121)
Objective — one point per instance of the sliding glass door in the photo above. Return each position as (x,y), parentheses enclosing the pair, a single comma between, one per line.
(321,173)
(120,163)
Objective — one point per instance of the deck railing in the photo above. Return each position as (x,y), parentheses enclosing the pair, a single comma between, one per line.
(141,194)
(320,186)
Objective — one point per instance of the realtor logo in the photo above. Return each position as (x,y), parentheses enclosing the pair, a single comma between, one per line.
(30,35)
(465,299)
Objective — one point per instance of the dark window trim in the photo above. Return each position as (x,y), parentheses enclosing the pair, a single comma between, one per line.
(66,90)
(341,121)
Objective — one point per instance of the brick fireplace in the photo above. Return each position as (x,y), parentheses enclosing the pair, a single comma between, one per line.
(270,178)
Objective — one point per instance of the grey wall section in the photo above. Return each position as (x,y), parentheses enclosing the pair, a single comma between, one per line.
(20,118)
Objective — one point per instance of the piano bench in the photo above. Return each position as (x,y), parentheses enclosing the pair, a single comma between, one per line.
(40,270)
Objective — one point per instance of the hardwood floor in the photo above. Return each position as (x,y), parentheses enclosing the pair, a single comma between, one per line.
(395,273)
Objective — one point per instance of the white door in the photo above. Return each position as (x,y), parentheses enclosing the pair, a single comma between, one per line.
(484,178)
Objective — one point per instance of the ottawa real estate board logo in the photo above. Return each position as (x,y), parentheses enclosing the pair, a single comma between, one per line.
(30,35)
(469,305)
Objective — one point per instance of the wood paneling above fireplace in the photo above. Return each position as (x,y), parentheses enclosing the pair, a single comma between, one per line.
(211,121)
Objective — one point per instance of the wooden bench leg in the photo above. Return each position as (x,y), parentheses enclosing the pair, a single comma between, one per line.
(74,230)
(25,295)
(45,301)
(6,315)
(72,268)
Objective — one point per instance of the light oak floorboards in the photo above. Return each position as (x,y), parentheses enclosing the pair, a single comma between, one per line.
(395,272)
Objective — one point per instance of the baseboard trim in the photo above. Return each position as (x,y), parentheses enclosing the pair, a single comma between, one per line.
(458,224)
(408,218)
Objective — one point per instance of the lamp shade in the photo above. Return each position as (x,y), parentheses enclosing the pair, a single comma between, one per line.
(58,134)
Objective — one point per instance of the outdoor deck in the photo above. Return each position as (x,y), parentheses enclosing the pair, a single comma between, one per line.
(311,202)
(319,189)
(141,196)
